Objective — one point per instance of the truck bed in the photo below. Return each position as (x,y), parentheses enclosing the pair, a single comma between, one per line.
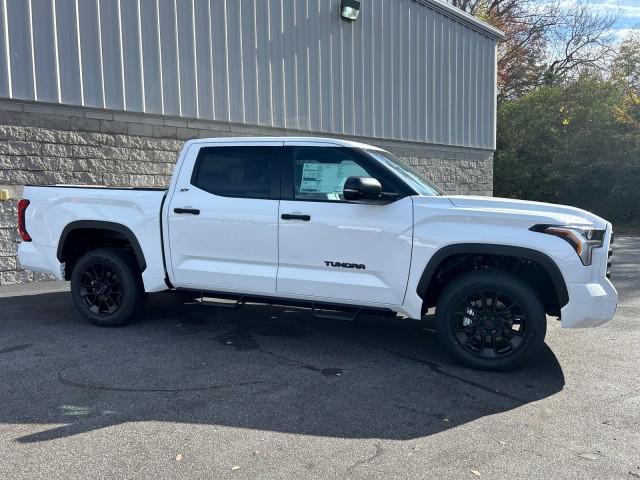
(100,187)
(54,208)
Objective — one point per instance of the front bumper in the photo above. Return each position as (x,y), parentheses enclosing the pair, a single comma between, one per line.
(590,304)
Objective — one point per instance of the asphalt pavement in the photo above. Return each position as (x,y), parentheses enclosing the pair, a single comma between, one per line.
(189,391)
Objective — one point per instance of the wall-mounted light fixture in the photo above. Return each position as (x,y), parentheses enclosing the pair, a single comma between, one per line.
(350,9)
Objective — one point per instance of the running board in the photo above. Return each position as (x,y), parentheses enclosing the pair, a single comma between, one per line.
(232,304)
(320,310)
(325,313)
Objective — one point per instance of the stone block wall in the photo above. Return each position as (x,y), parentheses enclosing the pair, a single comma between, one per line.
(41,144)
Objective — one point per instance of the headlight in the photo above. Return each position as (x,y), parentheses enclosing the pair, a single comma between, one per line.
(583,239)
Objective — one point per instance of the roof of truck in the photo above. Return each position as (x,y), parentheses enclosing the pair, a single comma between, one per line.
(318,141)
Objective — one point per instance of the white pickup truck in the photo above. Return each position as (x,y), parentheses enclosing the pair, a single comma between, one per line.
(335,225)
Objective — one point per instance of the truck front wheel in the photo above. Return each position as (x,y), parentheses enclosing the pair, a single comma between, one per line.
(490,320)
(106,287)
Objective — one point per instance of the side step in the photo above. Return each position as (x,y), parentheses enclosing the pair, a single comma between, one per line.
(325,311)
(230,303)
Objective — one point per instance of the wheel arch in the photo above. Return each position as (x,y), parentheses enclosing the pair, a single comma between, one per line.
(100,227)
(550,267)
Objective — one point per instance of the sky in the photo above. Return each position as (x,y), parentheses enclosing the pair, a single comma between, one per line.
(628,11)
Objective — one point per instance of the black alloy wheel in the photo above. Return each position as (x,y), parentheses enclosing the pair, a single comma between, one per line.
(106,286)
(101,289)
(490,319)
(490,324)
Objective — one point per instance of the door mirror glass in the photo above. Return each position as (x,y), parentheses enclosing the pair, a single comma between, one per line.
(362,188)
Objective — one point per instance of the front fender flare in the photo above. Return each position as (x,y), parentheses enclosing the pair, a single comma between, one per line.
(547,263)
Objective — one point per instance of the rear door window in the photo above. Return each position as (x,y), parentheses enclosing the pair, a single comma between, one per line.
(235,171)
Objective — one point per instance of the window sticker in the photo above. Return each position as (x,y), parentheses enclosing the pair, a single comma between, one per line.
(328,178)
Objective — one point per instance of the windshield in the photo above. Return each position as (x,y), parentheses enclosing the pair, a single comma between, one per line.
(407,173)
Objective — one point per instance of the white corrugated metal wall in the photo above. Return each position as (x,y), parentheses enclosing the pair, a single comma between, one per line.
(402,71)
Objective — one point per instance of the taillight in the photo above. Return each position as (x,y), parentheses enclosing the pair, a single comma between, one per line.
(22,206)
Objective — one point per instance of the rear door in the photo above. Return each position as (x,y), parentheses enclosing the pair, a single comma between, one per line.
(223,218)
(334,250)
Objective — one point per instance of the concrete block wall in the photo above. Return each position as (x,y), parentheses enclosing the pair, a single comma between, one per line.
(49,144)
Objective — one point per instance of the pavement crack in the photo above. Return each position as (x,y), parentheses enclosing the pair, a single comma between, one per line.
(327,372)
(96,386)
(437,416)
(579,453)
(437,369)
(16,348)
(377,453)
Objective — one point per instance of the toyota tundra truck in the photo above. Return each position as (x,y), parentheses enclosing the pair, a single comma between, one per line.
(337,226)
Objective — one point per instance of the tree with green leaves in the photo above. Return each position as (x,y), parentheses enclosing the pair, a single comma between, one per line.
(567,143)
(568,106)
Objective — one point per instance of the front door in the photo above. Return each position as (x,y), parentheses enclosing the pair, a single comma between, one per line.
(223,218)
(334,250)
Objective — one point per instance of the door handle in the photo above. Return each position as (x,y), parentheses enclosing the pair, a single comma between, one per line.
(192,211)
(291,216)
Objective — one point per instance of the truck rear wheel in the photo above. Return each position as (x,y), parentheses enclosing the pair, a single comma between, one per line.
(490,320)
(106,287)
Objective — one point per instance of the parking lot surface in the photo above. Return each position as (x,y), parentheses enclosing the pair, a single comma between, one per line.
(189,391)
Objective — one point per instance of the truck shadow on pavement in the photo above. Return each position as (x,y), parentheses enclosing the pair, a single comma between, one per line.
(259,367)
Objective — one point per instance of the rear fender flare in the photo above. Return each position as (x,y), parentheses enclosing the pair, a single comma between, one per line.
(102,225)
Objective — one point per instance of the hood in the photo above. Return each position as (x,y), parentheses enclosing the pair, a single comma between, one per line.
(539,211)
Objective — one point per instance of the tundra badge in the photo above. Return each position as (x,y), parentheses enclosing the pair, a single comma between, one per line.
(357,266)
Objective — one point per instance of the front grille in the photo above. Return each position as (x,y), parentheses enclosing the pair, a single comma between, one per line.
(609,257)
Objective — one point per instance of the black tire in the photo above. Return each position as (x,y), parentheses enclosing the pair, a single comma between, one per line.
(106,287)
(480,327)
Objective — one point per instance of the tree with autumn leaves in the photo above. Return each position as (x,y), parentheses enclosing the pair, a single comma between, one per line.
(568,107)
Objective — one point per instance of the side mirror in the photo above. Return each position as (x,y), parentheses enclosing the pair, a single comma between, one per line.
(362,188)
